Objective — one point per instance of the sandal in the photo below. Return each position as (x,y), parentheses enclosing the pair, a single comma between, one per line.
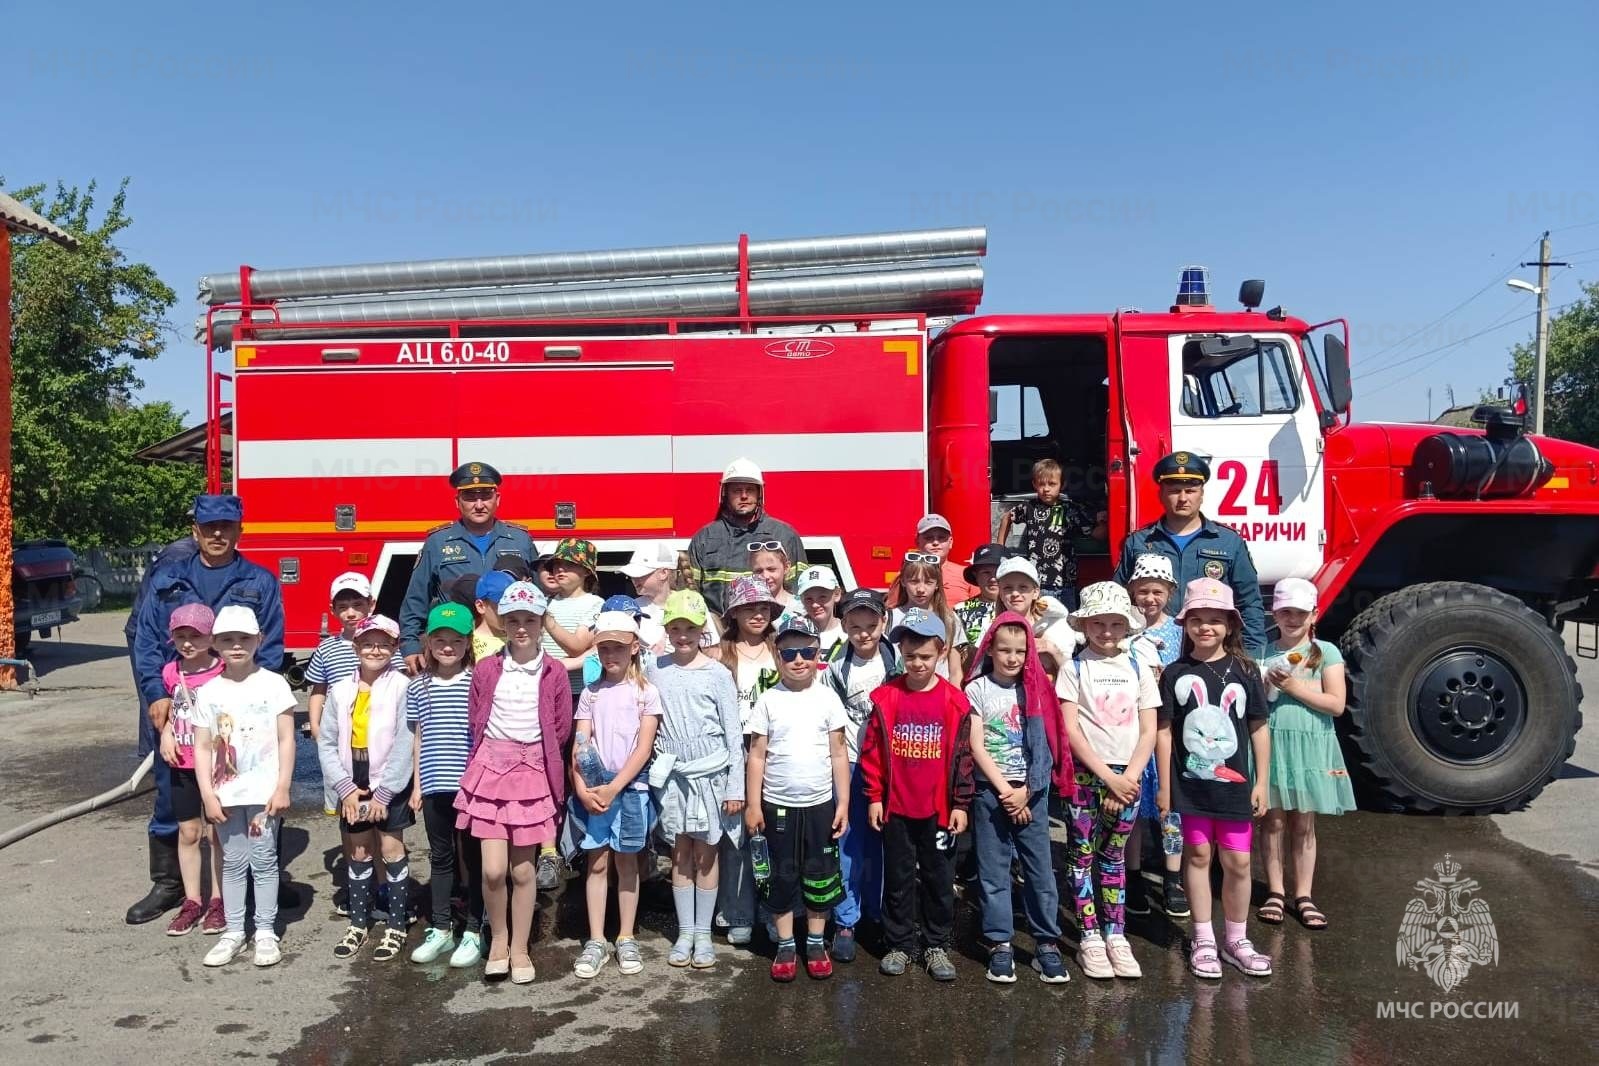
(1307,913)
(389,945)
(1202,961)
(1242,954)
(1272,911)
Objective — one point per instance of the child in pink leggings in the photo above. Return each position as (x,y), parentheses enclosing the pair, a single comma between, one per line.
(1212,719)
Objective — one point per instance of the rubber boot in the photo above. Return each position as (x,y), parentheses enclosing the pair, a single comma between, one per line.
(166,882)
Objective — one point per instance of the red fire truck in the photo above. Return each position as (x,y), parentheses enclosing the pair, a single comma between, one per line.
(1446,559)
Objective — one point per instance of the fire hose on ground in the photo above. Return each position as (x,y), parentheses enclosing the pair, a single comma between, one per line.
(123,791)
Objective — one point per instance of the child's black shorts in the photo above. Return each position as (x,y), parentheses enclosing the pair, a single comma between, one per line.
(804,858)
(400,817)
(186,802)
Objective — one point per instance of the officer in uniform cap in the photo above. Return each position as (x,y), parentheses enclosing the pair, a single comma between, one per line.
(472,544)
(1196,546)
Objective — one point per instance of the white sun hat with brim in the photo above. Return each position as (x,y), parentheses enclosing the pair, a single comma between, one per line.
(1152,567)
(1104,598)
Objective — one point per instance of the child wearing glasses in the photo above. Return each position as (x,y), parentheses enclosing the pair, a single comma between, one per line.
(920,585)
(798,796)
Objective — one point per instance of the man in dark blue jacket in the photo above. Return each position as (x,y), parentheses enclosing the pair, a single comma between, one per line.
(1196,546)
(214,574)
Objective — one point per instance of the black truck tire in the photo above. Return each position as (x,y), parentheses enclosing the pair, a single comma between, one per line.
(1462,700)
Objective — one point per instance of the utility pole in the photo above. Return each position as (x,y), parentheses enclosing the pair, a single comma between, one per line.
(1541,359)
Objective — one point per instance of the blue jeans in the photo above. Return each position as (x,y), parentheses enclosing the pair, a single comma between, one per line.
(994,835)
(861,860)
(162,821)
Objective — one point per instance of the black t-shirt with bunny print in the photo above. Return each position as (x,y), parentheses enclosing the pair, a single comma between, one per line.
(1209,706)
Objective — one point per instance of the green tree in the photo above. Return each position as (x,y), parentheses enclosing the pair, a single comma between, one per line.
(80,321)
(1572,385)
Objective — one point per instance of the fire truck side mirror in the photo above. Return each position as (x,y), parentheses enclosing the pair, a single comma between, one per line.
(1339,390)
(993,407)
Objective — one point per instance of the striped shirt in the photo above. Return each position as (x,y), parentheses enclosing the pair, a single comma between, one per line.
(437,708)
(335,659)
(576,614)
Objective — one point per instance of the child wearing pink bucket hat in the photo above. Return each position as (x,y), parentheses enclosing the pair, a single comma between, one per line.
(1305,682)
(1215,753)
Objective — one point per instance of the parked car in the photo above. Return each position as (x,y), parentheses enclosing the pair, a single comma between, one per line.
(44,588)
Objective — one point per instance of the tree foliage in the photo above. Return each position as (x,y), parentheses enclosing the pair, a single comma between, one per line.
(81,320)
(1572,385)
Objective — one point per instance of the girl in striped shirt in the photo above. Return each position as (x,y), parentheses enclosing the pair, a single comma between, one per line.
(436,710)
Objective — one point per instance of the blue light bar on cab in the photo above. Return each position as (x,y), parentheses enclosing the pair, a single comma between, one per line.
(1194,288)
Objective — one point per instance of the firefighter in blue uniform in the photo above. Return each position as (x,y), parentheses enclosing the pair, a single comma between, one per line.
(1196,546)
(211,572)
(472,544)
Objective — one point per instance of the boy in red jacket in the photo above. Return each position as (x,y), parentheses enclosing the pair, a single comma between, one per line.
(916,765)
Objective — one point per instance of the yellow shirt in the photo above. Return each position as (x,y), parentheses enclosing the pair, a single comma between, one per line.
(359,716)
(485,645)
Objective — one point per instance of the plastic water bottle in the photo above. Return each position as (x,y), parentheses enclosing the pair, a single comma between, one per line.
(760,859)
(590,765)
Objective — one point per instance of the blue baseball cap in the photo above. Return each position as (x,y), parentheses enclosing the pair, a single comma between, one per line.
(492,585)
(919,623)
(217,509)
(625,604)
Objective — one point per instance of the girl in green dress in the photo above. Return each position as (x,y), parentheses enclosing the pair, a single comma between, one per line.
(1305,681)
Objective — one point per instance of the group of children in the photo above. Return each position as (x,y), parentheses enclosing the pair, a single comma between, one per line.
(810,757)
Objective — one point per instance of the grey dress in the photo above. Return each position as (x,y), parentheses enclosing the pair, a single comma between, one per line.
(700,728)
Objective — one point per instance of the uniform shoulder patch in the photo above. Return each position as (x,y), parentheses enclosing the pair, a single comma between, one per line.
(516,525)
(438,529)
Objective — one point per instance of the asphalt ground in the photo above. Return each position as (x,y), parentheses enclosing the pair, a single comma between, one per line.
(78,985)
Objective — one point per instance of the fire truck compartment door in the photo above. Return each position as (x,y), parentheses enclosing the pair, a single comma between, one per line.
(1248,409)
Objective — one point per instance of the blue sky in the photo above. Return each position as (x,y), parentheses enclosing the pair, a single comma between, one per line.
(1382,162)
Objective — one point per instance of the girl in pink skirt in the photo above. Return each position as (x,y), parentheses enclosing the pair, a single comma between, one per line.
(520,710)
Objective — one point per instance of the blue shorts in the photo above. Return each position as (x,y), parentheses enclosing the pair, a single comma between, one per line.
(624,827)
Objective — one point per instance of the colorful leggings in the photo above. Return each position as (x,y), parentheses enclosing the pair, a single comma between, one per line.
(1096,831)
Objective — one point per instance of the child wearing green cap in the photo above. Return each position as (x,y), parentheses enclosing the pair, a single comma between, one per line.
(436,711)
(698,773)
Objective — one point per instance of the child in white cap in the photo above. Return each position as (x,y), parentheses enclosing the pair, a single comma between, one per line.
(1158,645)
(244,755)
(1109,700)
(616,720)
(1305,681)
(819,593)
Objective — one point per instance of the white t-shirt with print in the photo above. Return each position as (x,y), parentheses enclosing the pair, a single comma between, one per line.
(1004,738)
(798,728)
(242,717)
(865,675)
(1109,693)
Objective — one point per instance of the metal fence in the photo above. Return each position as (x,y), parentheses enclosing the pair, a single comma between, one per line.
(113,571)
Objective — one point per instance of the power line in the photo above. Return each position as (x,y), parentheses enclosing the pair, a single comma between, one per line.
(1406,340)
(1452,344)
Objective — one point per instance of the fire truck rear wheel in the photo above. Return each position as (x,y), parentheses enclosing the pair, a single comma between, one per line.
(1462,700)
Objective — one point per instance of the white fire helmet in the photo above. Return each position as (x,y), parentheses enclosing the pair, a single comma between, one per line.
(742,470)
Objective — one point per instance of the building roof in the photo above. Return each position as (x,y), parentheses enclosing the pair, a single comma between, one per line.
(1458,416)
(189,445)
(18,216)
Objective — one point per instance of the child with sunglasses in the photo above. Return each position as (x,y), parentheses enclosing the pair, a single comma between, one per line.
(798,789)
(919,586)
(769,562)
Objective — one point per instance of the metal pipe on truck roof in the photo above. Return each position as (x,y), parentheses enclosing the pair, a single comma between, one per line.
(933,289)
(629,263)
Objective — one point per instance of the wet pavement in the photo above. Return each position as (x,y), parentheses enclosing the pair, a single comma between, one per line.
(95,988)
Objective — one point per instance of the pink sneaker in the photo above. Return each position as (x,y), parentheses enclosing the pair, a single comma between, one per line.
(1242,954)
(187,918)
(215,920)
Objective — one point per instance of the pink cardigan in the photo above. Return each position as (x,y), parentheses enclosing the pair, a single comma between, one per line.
(555,714)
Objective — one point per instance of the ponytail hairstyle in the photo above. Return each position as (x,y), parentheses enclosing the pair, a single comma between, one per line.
(1313,657)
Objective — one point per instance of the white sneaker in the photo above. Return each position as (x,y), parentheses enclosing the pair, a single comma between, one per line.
(266,950)
(1092,958)
(1122,962)
(225,950)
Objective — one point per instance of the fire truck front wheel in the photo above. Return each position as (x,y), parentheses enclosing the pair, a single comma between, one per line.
(1462,700)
